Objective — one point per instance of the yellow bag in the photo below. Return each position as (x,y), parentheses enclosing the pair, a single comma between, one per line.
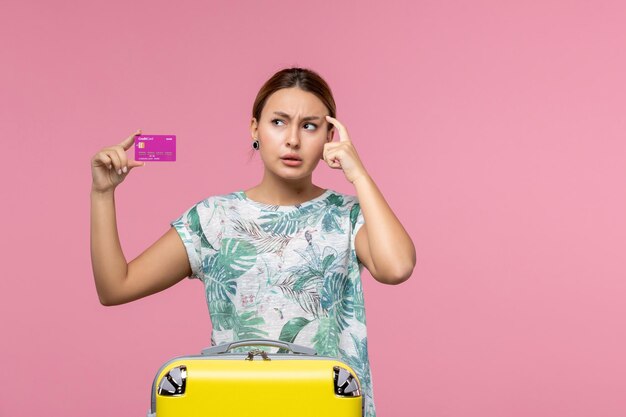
(221,383)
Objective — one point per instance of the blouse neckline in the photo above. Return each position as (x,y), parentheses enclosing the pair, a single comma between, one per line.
(321,197)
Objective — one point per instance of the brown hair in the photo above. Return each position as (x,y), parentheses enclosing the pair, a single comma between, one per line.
(305,79)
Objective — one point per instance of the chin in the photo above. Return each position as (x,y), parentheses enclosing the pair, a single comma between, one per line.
(292,175)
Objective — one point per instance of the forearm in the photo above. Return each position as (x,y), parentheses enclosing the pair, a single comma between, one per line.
(391,248)
(107,259)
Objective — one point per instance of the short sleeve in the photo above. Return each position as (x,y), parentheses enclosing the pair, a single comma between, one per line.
(356,221)
(189,228)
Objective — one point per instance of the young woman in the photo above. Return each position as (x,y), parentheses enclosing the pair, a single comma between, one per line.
(281,260)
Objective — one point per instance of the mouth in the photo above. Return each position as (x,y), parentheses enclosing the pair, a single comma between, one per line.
(291,157)
(291,160)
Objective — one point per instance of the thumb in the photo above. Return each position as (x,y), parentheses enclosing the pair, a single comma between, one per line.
(129,141)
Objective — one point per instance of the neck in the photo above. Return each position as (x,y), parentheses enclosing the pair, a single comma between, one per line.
(279,191)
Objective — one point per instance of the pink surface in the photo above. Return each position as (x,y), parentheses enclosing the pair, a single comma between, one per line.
(495,130)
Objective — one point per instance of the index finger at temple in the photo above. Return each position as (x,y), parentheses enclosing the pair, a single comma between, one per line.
(343,132)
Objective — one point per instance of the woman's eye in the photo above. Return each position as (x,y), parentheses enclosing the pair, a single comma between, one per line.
(313,127)
(275,121)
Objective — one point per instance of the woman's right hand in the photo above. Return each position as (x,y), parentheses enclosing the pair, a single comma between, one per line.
(110,166)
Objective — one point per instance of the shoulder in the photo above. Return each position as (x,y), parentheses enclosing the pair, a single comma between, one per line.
(341,199)
(219,200)
(204,210)
(349,207)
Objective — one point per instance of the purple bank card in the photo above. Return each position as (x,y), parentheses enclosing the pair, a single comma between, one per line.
(155,148)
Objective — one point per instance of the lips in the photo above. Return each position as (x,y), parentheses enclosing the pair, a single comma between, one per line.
(291,157)
(291,160)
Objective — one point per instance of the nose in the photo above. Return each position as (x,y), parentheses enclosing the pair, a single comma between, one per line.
(293,140)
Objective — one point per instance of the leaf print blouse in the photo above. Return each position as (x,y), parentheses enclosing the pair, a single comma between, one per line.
(282,272)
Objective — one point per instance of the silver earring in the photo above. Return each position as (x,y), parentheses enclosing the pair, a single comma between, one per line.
(256,144)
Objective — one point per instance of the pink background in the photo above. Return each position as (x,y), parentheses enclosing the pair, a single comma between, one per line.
(495,130)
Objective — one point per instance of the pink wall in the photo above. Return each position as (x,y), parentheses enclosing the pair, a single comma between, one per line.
(495,130)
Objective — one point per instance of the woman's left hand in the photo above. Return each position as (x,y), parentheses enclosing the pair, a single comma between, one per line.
(342,154)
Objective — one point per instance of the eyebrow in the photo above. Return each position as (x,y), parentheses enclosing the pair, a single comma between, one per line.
(286,116)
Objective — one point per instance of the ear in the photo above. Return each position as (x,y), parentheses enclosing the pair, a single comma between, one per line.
(330,134)
(254,127)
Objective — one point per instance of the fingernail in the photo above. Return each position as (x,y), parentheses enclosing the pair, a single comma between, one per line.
(124,169)
(119,171)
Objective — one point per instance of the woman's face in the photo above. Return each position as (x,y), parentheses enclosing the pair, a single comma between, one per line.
(291,131)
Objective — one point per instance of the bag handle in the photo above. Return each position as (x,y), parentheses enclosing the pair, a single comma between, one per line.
(225,347)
